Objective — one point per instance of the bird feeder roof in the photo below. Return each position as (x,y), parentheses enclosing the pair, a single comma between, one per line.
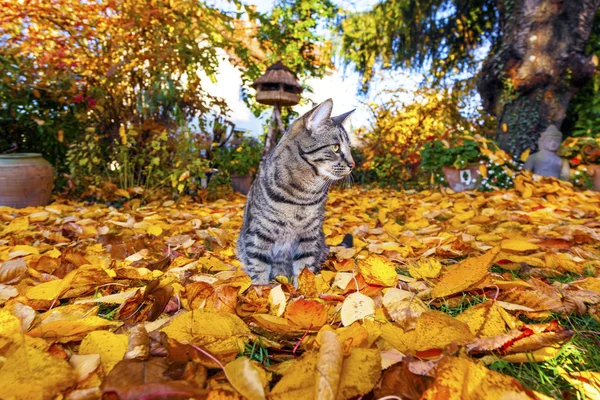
(279,73)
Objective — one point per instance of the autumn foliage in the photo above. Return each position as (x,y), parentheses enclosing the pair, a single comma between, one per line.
(149,300)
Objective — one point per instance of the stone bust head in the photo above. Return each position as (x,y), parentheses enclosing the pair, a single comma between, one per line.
(550,139)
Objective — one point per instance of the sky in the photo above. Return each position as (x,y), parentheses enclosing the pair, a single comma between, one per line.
(340,85)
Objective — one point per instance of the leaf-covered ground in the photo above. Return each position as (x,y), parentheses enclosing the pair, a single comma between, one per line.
(442,295)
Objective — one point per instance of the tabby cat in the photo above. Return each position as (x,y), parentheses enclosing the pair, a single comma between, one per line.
(283,220)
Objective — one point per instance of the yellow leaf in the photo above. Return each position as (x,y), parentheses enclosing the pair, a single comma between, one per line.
(483,170)
(353,336)
(298,382)
(539,355)
(403,306)
(109,346)
(9,324)
(48,291)
(213,264)
(84,365)
(68,330)
(378,270)
(25,249)
(484,320)
(525,155)
(356,307)
(518,245)
(31,374)
(246,378)
(465,274)
(461,379)
(20,224)
(329,366)
(586,382)
(425,268)
(360,373)
(154,230)
(277,300)
(122,193)
(434,330)
(206,326)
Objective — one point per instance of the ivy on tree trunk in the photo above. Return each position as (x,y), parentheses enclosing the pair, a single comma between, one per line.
(528,81)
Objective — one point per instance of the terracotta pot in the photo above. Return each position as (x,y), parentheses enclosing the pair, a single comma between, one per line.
(594,171)
(459,180)
(26,179)
(241,184)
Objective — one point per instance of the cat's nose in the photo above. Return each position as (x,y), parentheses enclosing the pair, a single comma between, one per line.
(351,164)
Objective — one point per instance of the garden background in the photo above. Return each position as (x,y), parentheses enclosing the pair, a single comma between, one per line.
(437,284)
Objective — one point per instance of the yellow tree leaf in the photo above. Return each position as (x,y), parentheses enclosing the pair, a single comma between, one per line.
(403,306)
(31,374)
(425,268)
(485,319)
(307,284)
(357,306)
(361,371)
(246,378)
(465,274)
(434,330)
(298,382)
(329,366)
(586,382)
(277,301)
(207,326)
(68,330)
(378,270)
(109,346)
(461,379)
(84,364)
(519,246)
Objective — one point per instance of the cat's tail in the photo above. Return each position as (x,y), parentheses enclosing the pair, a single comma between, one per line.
(348,241)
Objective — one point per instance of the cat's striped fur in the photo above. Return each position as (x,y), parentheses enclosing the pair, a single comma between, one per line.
(283,220)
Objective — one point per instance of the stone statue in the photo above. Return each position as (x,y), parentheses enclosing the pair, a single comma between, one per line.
(546,162)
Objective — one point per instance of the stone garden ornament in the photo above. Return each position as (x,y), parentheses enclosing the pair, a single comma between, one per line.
(546,162)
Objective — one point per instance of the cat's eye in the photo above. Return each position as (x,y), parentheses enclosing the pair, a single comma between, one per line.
(335,148)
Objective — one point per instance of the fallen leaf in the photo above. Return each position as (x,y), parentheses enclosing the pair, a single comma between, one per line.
(12,271)
(135,379)
(378,270)
(356,307)
(110,347)
(466,273)
(308,314)
(84,365)
(403,307)
(461,379)
(246,378)
(31,374)
(434,330)
(329,367)
(518,246)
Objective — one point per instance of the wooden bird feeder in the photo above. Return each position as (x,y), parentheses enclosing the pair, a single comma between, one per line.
(277,87)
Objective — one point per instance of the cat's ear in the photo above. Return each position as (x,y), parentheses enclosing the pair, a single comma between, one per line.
(341,118)
(319,114)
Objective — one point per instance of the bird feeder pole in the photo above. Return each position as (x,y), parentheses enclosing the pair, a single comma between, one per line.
(277,87)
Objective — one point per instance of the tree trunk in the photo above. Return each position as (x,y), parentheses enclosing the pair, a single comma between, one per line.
(528,81)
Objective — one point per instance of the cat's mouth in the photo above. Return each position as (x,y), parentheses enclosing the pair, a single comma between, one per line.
(338,173)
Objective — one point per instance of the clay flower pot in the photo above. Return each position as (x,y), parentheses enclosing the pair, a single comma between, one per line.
(459,180)
(241,183)
(26,179)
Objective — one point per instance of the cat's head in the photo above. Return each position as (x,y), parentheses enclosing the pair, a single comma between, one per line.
(323,142)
